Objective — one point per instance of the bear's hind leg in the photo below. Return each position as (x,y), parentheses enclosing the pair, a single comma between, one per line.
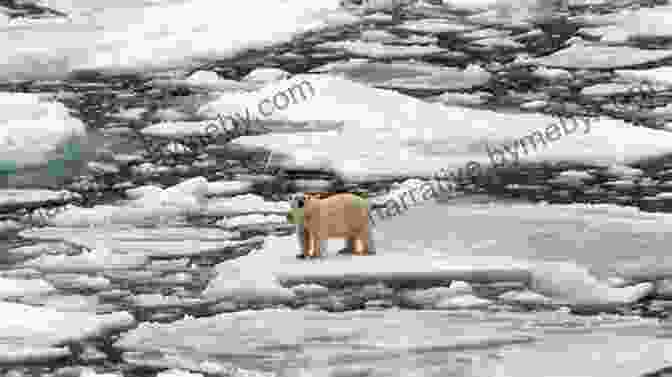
(361,243)
(318,245)
(364,243)
(313,245)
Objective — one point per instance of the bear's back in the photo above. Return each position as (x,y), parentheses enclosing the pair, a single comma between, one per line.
(340,215)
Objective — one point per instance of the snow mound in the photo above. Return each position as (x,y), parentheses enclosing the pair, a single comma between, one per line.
(31,128)
(149,205)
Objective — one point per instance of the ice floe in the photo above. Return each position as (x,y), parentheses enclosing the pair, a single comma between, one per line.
(377,50)
(661,75)
(263,275)
(66,303)
(401,342)
(31,128)
(21,287)
(135,37)
(101,215)
(628,24)
(148,205)
(264,75)
(387,134)
(11,199)
(251,220)
(78,281)
(97,260)
(33,334)
(596,56)
(229,188)
(243,205)
(129,233)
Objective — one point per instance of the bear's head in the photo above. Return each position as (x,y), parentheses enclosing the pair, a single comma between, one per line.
(298,202)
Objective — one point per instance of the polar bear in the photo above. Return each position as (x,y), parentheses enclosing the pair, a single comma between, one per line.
(326,215)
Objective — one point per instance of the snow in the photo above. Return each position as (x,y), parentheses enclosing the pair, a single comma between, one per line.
(662,75)
(229,188)
(406,342)
(428,298)
(31,128)
(157,301)
(248,278)
(129,244)
(582,55)
(608,239)
(18,353)
(266,75)
(29,333)
(243,205)
(69,303)
(178,129)
(101,259)
(148,205)
(140,37)
(387,134)
(178,373)
(9,226)
(575,284)
(462,302)
(79,282)
(18,288)
(378,50)
(251,220)
(100,215)
(31,197)
(141,191)
(628,24)
(129,233)
(263,275)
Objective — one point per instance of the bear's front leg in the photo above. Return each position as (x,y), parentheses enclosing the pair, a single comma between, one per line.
(361,243)
(314,250)
(312,245)
(305,242)
(300,238)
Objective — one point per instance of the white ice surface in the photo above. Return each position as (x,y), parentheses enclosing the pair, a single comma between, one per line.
(31,128)
(29,333)
(260,275)
(132,36)
(387,134)
(408,343)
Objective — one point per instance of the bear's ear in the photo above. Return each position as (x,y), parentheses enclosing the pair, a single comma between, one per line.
(297,200)
(318,195)
(313,196)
